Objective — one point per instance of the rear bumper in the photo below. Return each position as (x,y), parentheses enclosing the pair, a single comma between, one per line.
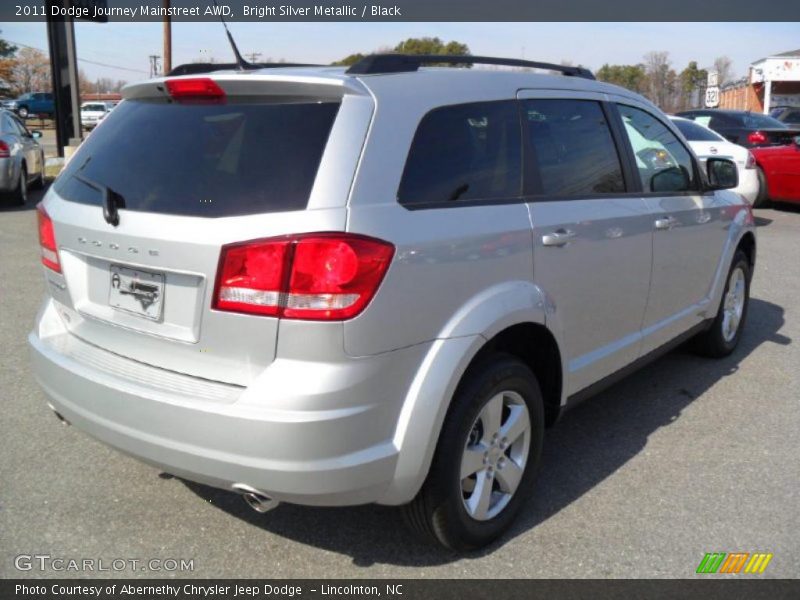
(331,449)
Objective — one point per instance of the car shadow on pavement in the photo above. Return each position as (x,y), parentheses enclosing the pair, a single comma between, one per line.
(791,207)
(34,197)
(588,445)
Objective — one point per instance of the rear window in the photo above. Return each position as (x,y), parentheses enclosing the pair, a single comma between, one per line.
(757,121)
(93,107)
(206,160)
(696,133)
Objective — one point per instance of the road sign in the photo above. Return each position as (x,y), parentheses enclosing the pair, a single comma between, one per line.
(713,79)
(712,97)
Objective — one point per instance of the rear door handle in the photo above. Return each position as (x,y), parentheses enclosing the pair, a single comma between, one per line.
(560,237)
(666,223)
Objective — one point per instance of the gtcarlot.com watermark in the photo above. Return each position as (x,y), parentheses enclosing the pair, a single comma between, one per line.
(57,564)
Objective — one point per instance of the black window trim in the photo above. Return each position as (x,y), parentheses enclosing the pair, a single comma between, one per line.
(530,176)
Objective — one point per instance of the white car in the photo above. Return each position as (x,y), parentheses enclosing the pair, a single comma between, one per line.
(707,143)
(92,113)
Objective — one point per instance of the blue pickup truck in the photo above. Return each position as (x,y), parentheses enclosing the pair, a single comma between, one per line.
(32,103)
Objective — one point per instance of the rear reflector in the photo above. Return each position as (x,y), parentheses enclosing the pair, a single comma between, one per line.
(47,240)
(320,276)
(757,137)
(195,89)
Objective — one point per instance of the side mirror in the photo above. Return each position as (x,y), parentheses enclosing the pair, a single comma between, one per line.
(36,134)
(671,179)
(722,173)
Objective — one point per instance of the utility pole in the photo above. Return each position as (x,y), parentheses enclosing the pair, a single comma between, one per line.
(64,70)
(253,56)
(167,39)
(154,71)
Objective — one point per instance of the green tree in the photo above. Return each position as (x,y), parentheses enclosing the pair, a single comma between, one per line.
(430,45)
(350,59)
(632,77)
(423,45)
(692,82)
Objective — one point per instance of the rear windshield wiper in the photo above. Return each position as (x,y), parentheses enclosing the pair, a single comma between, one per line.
(112,201)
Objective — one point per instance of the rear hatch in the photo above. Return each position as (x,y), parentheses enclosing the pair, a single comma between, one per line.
(262,156)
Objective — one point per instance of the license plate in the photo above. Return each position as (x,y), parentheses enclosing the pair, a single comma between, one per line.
(137,292)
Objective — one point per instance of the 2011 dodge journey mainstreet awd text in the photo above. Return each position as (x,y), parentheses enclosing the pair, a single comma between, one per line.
(331,287)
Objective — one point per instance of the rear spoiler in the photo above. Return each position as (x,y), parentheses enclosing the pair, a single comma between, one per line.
(282,85)
(198,68)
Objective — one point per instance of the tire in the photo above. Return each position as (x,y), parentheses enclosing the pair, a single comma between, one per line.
(763,192)
(20,193)
(720,340)
(450,510)
(22,111)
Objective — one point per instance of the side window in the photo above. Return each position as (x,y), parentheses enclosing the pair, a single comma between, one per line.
(572,148)
(464,152)
(664,163)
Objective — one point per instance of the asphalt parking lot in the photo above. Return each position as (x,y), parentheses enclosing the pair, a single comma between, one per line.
(685,457)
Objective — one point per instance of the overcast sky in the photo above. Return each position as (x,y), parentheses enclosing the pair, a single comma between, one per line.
(126,46)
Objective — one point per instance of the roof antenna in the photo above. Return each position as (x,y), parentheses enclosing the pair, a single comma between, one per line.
(240,62)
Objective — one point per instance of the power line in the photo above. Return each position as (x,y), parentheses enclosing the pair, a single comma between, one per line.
(84,60)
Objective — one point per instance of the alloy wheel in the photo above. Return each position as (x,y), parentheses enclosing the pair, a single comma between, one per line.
(733,306)
(495,455)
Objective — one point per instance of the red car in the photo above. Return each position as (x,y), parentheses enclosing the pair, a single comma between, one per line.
(779,169)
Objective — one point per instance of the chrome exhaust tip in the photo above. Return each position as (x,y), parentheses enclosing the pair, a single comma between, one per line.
(58,415)
(255,499)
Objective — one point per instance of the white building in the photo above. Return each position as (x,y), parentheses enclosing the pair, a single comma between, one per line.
(776,80)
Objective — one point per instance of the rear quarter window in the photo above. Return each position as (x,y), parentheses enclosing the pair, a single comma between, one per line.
(464,152)
(206,160)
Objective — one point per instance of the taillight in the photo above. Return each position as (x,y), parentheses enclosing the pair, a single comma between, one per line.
(47,240)
(5,151)
(751,161)
(757,137)
(318,276)
(195,89)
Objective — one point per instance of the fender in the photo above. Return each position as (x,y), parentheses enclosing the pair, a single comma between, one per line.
(428,398)
(741,224)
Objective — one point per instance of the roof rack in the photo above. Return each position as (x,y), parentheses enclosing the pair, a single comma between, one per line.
(197,68)
(407,63)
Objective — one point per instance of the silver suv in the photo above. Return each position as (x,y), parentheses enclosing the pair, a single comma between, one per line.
(331,287)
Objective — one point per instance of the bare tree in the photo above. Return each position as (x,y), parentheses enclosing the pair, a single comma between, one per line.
(723,67)
(85,85)
(106,85)
(659,82)
(31,71)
